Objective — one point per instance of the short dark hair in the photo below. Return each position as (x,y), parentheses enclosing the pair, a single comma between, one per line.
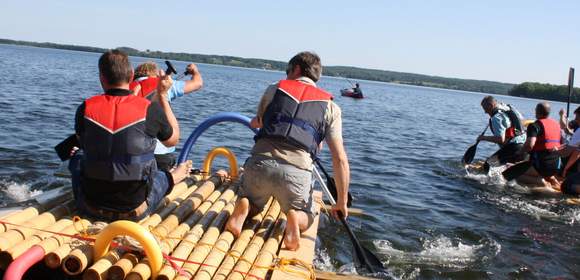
(488,100)
(543,109)
(115,67)
(577,111)
(309,64)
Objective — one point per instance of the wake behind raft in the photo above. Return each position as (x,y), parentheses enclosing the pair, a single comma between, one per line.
(183,239)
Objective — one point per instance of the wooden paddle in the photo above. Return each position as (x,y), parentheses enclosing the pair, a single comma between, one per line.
(470,153)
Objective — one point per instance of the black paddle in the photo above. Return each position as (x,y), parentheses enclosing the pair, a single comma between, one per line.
(570,90)
(332,185)
(516,170)
(363,258)
(470,153)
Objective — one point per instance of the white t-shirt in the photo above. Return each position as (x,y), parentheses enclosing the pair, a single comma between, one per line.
(575,141)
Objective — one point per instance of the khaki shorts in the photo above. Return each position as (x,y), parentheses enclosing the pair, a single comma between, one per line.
(291,186)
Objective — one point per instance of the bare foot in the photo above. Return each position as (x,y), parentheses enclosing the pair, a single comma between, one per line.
(181,171)
(222,173)
(236,221)
(292,234)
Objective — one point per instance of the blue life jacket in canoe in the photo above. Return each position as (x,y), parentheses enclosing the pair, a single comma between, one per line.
(550,138)
(115,145)
(296,114)
(148,86)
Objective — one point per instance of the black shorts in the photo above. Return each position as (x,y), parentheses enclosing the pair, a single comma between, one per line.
(572,184)
(511,153)
(165,161)
(546,163)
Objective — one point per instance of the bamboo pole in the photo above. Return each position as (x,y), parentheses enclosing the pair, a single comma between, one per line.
(245,263)
(78,259)
(194,197)
(163,211)
(6,257)
(269,250)
(60,246)
(222,246)
(142,269)
(54,242)
(123,267)
(18,234)
(18,217)
(206,243)
(99,269)
(243,242)
(188,206)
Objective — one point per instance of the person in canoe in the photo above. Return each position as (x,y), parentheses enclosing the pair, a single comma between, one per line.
(294,117)
(508,132)
(357,89)
(114,174)
(145,85)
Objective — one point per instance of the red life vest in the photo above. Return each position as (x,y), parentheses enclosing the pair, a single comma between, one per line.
(115,145)
(148,87)
(296,114)
(551,137)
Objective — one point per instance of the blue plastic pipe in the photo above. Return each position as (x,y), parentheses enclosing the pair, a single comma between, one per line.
(209,122)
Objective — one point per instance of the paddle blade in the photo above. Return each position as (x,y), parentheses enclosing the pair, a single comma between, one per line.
(516,170)
(469,154)
(362,257)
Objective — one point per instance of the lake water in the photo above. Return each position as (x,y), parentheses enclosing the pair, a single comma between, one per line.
(425,217)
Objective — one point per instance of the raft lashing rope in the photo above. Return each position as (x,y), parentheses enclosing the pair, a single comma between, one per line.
(183,239)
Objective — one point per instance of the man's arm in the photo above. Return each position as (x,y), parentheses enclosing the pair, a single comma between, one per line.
(341,170)
(530,142)
(196,81)
(163,86)
(498,128)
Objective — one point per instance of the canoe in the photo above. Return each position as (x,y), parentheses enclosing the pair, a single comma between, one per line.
(350,93)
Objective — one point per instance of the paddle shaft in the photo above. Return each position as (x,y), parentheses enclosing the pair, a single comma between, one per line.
(570,90)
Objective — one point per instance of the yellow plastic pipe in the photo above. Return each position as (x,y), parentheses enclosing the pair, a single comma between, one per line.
(224,152)
(134,230)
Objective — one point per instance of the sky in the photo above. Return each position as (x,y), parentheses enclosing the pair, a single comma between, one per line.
(507,41)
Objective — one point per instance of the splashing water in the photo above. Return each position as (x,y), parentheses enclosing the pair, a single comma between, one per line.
(17,191)
(442,252)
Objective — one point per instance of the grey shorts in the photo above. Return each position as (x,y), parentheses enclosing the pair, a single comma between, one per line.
(291,186)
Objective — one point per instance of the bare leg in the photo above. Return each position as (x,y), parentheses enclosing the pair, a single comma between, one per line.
(181,172)
(236,221)
(297,223)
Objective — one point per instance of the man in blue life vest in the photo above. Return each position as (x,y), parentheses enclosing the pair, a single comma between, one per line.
(294,117)
(115,176)
(507,129)
(145,85)
(542,144)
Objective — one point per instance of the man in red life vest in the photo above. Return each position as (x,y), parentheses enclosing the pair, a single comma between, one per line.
(145,85)
(115,175)
(542,143)
(294,117)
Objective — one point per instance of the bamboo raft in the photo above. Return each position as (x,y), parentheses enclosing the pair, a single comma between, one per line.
(187,229)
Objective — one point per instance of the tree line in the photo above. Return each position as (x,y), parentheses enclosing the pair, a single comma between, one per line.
(545,91)
(532,90)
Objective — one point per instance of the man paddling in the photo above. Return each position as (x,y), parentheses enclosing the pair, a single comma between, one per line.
(294,117)
(115,175)
(507,129)
(542,144)
(145,85)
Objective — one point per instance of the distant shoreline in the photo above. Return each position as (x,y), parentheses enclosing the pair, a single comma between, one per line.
(482,86)
(336,71)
